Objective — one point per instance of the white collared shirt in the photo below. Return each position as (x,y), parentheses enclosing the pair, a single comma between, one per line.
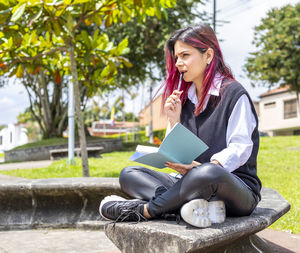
(241,124)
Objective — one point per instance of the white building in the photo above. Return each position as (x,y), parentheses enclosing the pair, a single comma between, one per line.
(12,136)
(279,112)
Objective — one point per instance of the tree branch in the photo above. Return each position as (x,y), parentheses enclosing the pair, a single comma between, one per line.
(32,111)
(63,118)
(45,100)
(33,58)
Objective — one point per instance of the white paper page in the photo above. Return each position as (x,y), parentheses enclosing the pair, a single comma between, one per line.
(146,149)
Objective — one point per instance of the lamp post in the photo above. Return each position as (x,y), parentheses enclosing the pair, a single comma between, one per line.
(151,117)
(214,15)
(71,126)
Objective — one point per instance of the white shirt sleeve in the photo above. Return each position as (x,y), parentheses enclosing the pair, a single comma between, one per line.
(240,127)
(168,129)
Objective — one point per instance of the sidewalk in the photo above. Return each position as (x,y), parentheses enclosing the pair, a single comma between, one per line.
(92,241)
(60,241)
(281,242)
(25,165)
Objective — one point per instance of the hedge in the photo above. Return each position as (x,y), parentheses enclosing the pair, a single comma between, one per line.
(140,136)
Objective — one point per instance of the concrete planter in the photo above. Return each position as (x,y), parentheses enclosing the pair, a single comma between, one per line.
(55,203)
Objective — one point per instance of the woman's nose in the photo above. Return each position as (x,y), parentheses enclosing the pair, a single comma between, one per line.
(178,62)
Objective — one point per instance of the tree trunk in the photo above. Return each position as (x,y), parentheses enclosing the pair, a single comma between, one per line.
(298,100)
(84,155)
(43,95)
(47,109)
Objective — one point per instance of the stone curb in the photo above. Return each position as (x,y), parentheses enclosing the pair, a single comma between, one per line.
(55,203)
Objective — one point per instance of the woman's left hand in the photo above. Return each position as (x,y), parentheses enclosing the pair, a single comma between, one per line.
(182,168)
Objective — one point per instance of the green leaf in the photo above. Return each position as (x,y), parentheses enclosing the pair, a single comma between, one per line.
(105,71)
(109,46)
(122,45)
(60,11)
(127,63)
(14,27)
(109,70)
(36,16)
(124,18)
(10,42)
(126,50)
(80,1)
(108,21)
(150,12)
(127,10)
(20,71)
(57,28)
(18,12)
(86,39)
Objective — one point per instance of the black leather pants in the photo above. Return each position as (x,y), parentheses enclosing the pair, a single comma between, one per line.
(207,181)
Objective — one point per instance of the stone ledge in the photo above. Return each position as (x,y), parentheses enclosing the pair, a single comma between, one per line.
(55,203)
(234,235)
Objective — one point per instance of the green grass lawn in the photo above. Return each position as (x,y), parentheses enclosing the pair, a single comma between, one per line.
(109,166)
(278,168)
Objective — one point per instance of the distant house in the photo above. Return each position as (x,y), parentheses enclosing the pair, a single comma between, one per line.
(105,128)
(159,121)
(12,136)
(279,112)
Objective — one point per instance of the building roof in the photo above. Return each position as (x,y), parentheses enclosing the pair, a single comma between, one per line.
(276,91)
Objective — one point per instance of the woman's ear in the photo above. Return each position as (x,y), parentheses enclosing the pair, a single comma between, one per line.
(209,55)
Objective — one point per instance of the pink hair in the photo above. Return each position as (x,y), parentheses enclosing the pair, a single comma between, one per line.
(200,37)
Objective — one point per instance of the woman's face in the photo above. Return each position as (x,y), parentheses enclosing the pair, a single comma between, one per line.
(191,62)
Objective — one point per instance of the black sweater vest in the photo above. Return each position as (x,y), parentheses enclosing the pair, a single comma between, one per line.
(211,127)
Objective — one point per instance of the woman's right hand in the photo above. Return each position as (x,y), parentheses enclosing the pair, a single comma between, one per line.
(173,107)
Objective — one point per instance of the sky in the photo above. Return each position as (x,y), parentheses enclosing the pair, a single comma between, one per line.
(236,36)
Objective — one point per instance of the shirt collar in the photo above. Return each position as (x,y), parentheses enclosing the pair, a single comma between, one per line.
(214,89)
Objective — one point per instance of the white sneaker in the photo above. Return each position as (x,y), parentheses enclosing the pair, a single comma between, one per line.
(201,213)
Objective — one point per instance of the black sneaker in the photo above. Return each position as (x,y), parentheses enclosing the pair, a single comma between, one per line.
(119,209)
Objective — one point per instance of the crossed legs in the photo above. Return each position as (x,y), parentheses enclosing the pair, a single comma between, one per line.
(165,194)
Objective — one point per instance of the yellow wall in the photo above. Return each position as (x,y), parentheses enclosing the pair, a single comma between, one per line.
(159,120)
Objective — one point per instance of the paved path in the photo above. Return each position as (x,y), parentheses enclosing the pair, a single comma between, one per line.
(25,165)
(281,242)
(92,241)
(59,241)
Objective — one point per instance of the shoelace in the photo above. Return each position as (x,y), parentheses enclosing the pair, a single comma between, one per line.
(128,213)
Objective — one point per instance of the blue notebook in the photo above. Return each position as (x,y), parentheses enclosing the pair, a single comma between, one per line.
(179,146)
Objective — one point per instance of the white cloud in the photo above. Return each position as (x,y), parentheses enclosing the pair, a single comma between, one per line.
(13,101)
(6,101)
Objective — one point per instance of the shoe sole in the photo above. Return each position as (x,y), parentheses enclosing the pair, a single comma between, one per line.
(216,210)
(201,213)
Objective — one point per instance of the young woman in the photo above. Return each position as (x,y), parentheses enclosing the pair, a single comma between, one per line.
(218,110)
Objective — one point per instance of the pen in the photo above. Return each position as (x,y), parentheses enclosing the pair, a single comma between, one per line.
(180,81)
(179,84)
